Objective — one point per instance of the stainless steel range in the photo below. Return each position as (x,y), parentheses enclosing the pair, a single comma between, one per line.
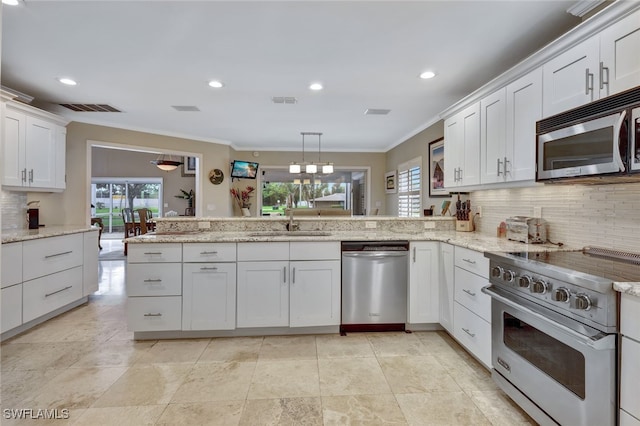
(554,331)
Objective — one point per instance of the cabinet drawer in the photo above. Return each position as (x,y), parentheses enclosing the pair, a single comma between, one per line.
(627,419)
(144,279)
(11,316)
(318,250)
(11,264)
(49,255)
(472,261)
(43,295)
(473,333)
(154,253)
(263,251)
(468,293)
(629,316)
(154,313)
(207,252)
(630,377)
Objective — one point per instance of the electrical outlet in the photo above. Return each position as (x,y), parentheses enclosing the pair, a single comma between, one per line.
(537,212)
(479,211)
(204,225)
(166,205)
(370,225)
(429,224)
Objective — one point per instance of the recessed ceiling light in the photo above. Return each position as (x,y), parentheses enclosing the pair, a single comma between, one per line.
(427,75)
(67,81)
(216,84)
(315,86)
(10,2)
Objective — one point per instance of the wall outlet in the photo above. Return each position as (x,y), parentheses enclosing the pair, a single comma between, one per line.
(166,205)
(204,225)
(429,224)
(537,212)
(370,225)
(479,211)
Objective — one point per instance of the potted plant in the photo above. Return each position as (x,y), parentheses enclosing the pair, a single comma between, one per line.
(242,198)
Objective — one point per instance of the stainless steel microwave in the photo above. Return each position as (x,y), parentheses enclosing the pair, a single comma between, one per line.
(598,141)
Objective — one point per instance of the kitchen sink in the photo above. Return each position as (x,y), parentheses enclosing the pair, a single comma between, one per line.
(290,234)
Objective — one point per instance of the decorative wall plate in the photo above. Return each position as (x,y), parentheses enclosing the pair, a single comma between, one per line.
(216,176)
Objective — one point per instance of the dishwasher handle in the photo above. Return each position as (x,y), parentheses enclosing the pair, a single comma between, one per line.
(375,254)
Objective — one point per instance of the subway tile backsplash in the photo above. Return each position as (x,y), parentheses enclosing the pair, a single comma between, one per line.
(13,206)
(578,215)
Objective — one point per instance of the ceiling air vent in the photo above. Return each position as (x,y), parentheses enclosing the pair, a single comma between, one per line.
(90,107)
(377,111)
(185,108)
(284,100)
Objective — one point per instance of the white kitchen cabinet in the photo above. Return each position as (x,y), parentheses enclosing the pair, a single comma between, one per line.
(446,286)
(468,292)
(11,264)
(473,333)
(162,279)
(424,273)
(209,296)
(54,254)
(508,130)
(263,293)
(619,47)
(11,298)
(90,263)
(630,354)
(209,252)
(34,149)
(462,148)
(154,253)
(154,313)
(315,293)
(48,293)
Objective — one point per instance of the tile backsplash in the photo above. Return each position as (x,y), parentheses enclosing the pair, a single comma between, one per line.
(578,215)
(13,206)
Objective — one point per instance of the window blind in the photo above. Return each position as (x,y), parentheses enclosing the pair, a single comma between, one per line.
(409,188)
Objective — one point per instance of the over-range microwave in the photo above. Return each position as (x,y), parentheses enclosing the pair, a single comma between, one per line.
(595,143)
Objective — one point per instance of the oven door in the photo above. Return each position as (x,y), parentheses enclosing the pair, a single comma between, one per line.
(585,149)
(567,371)
(635,139)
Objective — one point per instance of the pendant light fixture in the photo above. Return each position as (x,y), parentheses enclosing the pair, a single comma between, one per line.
(328,167)
(166,165)
(311,168)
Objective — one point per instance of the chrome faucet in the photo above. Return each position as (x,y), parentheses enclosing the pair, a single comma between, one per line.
(291,226)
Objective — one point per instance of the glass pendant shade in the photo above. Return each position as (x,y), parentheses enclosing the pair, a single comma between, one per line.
(166,165)
(311,168)
(294,168)
(327,168)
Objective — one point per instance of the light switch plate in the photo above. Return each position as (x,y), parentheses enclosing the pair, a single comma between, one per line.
(370,225)
(204,225)
(429,224)
(537,212)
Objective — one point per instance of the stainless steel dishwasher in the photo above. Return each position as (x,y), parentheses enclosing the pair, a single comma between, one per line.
(374,285)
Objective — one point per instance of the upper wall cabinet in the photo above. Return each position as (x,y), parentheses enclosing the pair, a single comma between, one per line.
(508,130)
(604,64)
(33,147)
(462,148)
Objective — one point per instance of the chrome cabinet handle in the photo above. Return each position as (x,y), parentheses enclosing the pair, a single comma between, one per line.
(209,268)
(153,315)
(153,252)
(58,254)
(499,164)
(208,252)
(24,175)
(588,82)
(466,330)
(284,272)
(469,292)
(602,80)
(31,175)
(506,161)
(414,255)
(157,280)
(56,292)
(473,262)
(293,276)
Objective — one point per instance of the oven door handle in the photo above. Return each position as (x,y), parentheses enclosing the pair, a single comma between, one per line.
(599,341)
(616,141)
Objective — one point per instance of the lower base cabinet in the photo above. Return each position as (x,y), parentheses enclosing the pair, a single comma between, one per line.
(48,293)
(472,332)
(11,315)
(209,296)
(263,294)
(315,293)
(154,313)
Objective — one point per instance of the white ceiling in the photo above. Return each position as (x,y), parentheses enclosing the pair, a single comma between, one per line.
(143,57)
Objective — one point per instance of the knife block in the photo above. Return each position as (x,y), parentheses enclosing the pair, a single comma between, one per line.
(464,225)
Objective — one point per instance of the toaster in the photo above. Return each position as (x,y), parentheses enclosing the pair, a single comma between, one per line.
(530,230)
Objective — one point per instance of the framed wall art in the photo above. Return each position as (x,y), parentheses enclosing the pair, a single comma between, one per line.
(189,166)
(390,184)
(436,169)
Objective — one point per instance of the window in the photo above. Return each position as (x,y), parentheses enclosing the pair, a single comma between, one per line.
(409,185)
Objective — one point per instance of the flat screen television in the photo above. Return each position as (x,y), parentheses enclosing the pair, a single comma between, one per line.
(244,169)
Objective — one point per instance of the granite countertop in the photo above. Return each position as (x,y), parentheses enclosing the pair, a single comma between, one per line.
(17,235)
(627,288)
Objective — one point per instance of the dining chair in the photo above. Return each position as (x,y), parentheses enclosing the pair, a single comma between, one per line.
(130,226)
(144,220)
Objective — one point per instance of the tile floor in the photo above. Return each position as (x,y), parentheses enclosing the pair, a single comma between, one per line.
(86,361)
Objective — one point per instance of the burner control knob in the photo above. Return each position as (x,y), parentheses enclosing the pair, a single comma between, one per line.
(496,272)
(524,281)
(508,276)
(561,295)
(582,302)
(538,286)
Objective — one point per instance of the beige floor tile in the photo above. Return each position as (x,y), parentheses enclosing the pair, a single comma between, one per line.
(145,385)
(438,342)
(440,408)
(216,382)
(21,385)
(288,348)
(500,409)
(283,411)
(396,344)
(232,349)
(65,331)
(174,351)
(285,379)
(358,376)
(468,373)
(121,416)
(114,353)
(210,413)
(351,346)
(76,388)
(362,410)
(40,356)
(416,374)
